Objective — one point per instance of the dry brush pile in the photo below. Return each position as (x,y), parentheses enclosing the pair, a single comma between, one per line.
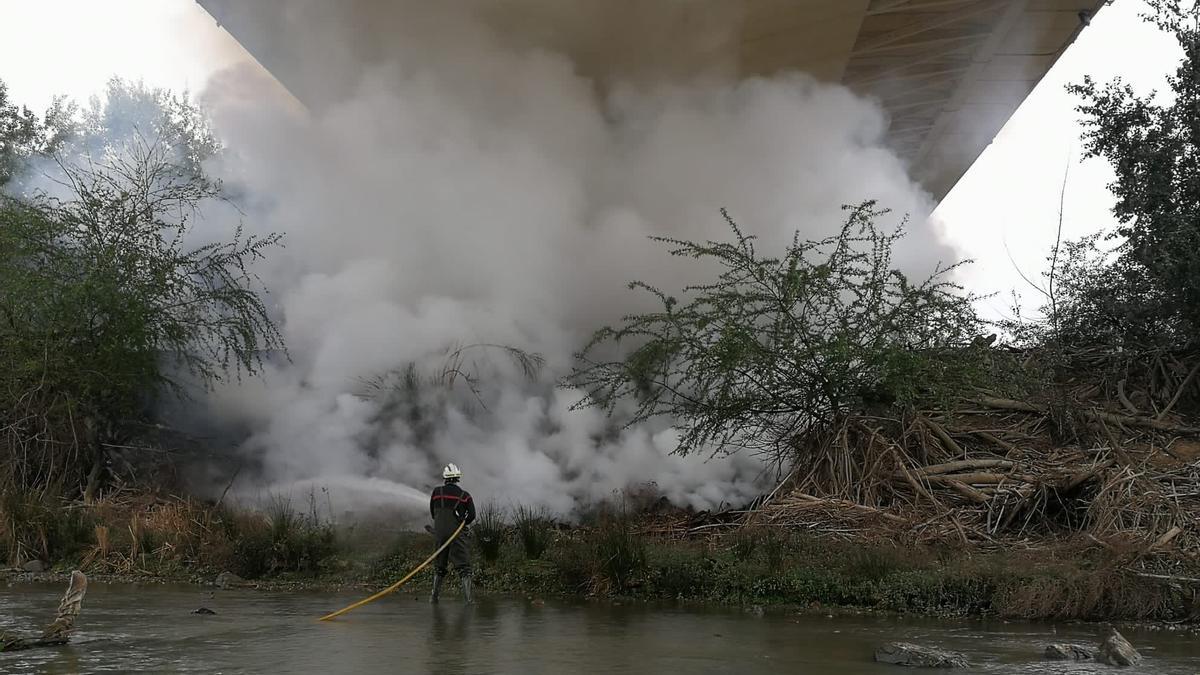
(1099,457)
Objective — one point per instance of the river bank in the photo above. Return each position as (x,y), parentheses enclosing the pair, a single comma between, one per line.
(759,568)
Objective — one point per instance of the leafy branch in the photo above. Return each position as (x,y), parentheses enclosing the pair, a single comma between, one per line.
(777,348)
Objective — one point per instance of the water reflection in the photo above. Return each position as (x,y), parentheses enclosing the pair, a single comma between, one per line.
(449,641)
(150,629)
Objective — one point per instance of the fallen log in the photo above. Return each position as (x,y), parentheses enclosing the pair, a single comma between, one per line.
(908,477)
(1082,477)
(969,492)
(1145,422)
(1128,420)
(976,478)
(59,631)
(951,467)
(1125,399)
(948,444)
(1166,538)
(1115,445)
(842,503)
(1104,416)
(1007,404)
(1179,392)
(1009,448)
(1168,577)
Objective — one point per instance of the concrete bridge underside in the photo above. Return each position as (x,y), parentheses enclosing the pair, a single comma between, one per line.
(949,73)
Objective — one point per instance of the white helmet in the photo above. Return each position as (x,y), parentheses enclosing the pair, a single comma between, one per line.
(451,471)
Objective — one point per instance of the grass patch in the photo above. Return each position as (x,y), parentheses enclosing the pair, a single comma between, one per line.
(40,525)
(620,552)
(405,553)
(490,532)
(743,543)
(1096,595)
(284,540)
(533,531)
(774,544)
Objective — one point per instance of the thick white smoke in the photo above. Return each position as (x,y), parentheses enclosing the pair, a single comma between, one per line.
(469,190)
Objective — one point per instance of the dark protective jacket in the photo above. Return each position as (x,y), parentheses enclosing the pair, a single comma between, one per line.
(448,506)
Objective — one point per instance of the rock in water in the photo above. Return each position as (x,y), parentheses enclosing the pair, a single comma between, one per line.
(227,579)
(916,656)
(203,610)
(1116,650)
(1068,652)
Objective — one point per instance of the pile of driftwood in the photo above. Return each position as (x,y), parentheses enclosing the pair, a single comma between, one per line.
(1001,471)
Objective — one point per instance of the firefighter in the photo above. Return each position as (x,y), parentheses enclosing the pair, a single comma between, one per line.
(450,505)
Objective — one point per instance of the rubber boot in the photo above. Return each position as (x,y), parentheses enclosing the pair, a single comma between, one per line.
(437,588)
(466,584)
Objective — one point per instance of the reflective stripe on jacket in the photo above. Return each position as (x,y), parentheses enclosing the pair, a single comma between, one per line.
(449,504)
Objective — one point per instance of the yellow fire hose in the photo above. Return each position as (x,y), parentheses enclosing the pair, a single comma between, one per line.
(400,583)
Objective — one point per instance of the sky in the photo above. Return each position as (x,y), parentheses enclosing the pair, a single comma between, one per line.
(1003,213)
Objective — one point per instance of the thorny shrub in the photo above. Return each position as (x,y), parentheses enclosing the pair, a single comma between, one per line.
(774,349)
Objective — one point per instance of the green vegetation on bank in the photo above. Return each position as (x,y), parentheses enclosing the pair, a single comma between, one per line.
(612,560)
(614,557)
(170,537)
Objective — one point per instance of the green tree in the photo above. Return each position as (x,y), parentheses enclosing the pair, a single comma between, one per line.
(130,112)
(125,113)
(1145,292)
(774,350)
(24,135)
(107,299)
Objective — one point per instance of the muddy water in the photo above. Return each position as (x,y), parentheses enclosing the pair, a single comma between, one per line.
(127,628)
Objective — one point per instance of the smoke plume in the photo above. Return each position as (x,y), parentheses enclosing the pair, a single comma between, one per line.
(473,183)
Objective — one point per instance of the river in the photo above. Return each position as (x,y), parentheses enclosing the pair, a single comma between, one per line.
(150,628)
